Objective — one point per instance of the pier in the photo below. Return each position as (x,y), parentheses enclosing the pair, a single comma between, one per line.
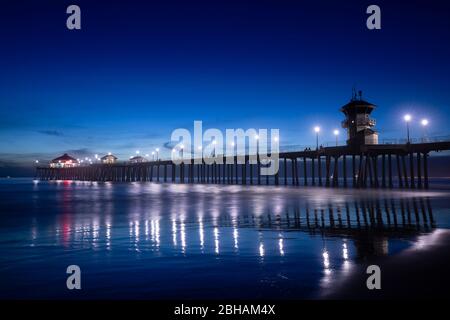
(361,163)
(369,166)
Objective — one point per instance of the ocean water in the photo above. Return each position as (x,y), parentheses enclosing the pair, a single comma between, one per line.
(180,241)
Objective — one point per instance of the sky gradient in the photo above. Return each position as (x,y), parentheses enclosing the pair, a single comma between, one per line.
(137,70)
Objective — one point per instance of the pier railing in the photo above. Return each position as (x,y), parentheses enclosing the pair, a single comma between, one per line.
(417,140)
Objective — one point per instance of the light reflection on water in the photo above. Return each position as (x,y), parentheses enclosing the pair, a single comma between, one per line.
(175,241)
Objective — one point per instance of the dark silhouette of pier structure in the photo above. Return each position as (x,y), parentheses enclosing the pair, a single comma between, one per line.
(361,163)
(371,166)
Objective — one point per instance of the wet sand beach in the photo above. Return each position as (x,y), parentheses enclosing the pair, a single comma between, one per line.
(421,271)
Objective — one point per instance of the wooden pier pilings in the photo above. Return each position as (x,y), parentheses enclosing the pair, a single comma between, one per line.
(370,166)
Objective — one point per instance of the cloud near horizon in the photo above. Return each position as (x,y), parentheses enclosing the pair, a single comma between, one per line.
(55,133)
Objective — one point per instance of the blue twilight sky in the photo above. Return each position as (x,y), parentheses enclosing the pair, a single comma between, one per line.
(139,69)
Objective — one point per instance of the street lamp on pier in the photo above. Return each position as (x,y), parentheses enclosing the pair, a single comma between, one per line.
(424,124)
(336,134)
(407,119)
(214,142)
(257,144)
(317,130)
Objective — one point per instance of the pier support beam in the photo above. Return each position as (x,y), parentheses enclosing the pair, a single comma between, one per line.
(336,172)
(353,170)
(405,173)
(344,172)
(411,168)
(258,168)
(327,171)
(391,185)
(305,172)
(375,171)
(236,170)
(359,182)
(399,172)
(319,169)
(277,182)
(419,171)
(425,170)
(224,171)
(369,160)
(293,171)
(244,173)
(367,171)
